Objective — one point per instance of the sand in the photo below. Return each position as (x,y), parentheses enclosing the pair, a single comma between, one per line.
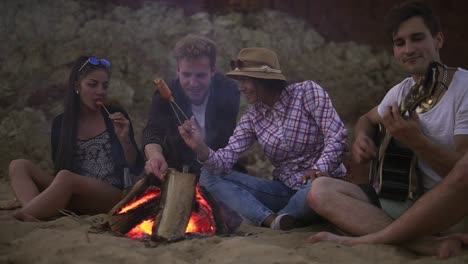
(66,240)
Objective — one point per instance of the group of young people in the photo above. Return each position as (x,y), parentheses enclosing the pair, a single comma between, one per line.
(296,125)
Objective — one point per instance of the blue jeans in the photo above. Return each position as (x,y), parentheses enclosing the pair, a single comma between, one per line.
(256,198)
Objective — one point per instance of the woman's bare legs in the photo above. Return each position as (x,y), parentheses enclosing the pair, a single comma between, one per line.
(28,180)
(69,190)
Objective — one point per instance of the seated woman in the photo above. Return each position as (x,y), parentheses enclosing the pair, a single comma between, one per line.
(92,145)
(299,131)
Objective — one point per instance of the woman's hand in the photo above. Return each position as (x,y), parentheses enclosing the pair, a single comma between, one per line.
(121,126)
(191,134)
(312,175)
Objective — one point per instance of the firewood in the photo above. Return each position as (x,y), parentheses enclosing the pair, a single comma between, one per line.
(122,223)
(178,194)
(138,188)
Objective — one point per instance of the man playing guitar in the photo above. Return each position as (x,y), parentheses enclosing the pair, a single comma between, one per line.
(436,132)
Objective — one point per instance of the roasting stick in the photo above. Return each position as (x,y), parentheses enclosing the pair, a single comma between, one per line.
(173,102)
(106,110)
(101,103)
(175,112)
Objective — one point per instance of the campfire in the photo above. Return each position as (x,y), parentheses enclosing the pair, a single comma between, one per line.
(167,211)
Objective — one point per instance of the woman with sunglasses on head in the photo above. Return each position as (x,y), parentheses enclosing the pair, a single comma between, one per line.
(92,147)
(299,131)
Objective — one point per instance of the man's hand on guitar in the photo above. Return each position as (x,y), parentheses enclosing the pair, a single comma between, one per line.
(405,130)
(364,149)
(312,174)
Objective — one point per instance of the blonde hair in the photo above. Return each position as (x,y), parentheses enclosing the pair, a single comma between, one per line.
(193,46)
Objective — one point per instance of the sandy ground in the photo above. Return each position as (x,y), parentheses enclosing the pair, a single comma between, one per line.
(66,240)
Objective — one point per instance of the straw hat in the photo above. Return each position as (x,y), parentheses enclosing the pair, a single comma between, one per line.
(257,63)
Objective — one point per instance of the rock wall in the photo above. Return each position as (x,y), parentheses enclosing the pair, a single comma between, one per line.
(40,40)
(343,20)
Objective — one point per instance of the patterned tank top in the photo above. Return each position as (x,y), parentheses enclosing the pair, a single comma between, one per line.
(93,158)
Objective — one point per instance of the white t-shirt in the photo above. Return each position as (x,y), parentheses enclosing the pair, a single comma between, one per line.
(449,117)
(199,113)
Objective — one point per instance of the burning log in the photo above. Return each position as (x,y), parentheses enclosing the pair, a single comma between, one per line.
(129,212)
(176,206)
(168,211)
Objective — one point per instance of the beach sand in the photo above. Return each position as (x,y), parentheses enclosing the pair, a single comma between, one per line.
(67,240)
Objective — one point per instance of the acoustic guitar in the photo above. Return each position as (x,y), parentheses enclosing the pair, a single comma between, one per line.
(394,172)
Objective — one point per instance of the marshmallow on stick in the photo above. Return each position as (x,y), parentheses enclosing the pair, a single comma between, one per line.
(166,94)
(164,90)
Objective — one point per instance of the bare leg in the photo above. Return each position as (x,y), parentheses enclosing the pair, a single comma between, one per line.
(442,247)
(27,180)
(346,206)
(70,190)
(438,209)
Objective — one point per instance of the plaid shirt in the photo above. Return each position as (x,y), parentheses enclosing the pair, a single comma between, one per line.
(302,131)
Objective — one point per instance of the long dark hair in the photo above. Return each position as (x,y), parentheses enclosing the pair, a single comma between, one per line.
(71,112)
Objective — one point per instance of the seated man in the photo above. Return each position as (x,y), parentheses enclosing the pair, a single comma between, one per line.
(437,136)
(200,91)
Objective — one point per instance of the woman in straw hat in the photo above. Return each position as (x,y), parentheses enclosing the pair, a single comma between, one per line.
(299,131)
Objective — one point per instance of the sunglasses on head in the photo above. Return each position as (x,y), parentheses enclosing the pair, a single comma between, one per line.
(94,61)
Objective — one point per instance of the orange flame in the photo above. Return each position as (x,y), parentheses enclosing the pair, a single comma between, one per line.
(201,221)
(148,195)
(145,227)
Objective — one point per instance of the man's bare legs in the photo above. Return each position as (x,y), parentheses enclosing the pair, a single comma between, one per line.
(346,206)
(439,209)
(28,180)
(434,212)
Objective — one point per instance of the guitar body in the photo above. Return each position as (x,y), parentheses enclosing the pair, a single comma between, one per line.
(394,170)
